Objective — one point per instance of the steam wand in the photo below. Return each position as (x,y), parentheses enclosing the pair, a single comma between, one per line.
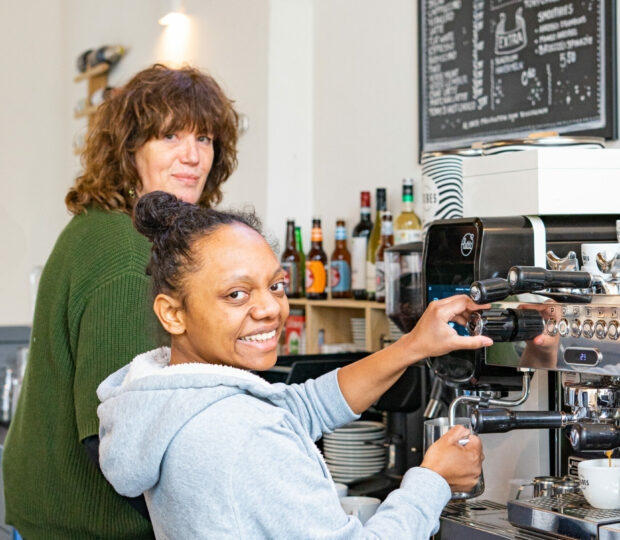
(494,402)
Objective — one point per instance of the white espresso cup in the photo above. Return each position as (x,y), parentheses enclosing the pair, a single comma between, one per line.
(600,483)
(362,508)
(589,253)
(342,490)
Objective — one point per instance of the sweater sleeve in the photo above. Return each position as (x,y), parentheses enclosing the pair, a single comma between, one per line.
(116,325)
(280,491)
(318,404)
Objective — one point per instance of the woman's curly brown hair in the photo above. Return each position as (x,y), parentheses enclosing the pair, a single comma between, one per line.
(155,102)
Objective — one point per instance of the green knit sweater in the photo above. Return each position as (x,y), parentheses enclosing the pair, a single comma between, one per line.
(93,315)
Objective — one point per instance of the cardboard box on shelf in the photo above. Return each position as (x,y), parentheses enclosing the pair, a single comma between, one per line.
(295,330)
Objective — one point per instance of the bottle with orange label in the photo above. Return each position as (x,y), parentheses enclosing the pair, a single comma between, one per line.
(316,265)
(340,265)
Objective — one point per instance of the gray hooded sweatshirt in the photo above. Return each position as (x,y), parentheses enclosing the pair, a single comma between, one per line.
(220,453)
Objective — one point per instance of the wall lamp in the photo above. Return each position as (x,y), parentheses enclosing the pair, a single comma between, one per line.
(174,13)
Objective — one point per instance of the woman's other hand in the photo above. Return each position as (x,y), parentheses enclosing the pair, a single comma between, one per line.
(459,464)
(434,336)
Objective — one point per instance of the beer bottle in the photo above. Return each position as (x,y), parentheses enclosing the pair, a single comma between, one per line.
(340,265)
(291,263)
(302,259)
(360,235)
(373,243)
(387,240)
(316,262)
(407,226)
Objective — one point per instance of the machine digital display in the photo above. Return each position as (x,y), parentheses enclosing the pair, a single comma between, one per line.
(437,292)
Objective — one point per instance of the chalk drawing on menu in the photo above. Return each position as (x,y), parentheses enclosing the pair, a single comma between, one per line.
(508,41)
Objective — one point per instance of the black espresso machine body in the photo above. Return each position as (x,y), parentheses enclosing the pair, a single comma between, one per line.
(458,252)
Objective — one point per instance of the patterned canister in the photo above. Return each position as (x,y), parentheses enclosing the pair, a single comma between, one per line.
(442,183)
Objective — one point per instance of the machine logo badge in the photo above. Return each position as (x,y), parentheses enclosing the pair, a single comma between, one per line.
(467,244)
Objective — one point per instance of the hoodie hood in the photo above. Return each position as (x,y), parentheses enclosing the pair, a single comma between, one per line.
(147,402)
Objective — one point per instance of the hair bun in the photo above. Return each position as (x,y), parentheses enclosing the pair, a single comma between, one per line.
(156,213)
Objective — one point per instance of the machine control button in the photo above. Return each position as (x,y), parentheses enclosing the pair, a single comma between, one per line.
(575,328)
(563,327)
(613,330)
(600,329)
(575,311)
(552,328)
(587,329)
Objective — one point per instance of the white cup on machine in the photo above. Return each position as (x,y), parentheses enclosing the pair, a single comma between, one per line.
(599,480)
(362,508)
(589,252)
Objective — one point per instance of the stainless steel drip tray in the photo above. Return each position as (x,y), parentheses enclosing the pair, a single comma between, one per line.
(567,516)
(481,520)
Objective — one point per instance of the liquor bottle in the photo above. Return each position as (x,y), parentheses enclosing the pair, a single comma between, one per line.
(291,262)
(302,259)
(407,226)
(387,240)
(340,265)
(373,243)
(359,240)
(316,262)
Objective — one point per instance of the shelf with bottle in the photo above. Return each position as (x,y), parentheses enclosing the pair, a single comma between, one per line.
(335,315)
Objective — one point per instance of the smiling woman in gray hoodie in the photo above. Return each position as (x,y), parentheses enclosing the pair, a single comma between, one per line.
(219,452)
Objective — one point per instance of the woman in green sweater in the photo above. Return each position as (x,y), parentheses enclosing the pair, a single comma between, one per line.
(170,130)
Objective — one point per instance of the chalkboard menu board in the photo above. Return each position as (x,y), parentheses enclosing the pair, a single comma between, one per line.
(501,69)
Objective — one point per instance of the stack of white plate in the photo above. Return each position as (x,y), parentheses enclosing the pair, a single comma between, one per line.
(358,330)
(355,450)
(395,332)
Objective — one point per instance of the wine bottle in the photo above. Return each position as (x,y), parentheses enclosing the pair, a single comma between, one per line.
(407,226)
(373,244)
(302,258)
(90,58)
(387,240)
(359,246)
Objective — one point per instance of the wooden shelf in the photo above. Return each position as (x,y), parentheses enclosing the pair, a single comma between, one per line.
(90,109)
(97,79)
(337,302)
(99,69)
(333,316)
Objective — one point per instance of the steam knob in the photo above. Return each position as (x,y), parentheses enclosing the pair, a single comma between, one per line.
(503,325)
(488,290)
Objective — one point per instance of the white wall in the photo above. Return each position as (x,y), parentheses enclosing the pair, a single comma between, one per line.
(32,145)
(365,121)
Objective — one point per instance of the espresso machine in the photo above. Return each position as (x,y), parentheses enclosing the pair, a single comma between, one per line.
(555,327)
